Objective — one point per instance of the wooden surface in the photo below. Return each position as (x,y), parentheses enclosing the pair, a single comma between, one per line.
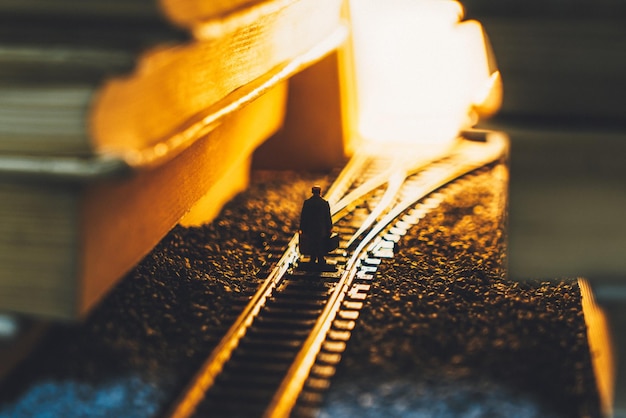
(75,85)
(312,135)
(191,13)
(172,87)
(189,114)
(64,245)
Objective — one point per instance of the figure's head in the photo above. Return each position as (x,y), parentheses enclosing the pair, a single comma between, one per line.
(316,190)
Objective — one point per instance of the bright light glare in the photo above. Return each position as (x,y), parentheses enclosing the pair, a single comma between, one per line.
(419,70)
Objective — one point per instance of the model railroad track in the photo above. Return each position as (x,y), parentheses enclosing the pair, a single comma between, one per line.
(279,355)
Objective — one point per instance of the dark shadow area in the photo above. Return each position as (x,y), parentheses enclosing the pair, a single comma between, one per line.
(563,66)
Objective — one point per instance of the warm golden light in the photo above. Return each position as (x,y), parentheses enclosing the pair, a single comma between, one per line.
(600,346)
(422,75)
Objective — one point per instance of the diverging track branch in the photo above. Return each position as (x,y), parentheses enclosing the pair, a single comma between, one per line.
(280,354)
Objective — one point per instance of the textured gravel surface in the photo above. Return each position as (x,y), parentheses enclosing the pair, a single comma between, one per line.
(146,339)
(443,334)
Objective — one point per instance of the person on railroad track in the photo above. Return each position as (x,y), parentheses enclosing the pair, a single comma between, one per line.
(315,226)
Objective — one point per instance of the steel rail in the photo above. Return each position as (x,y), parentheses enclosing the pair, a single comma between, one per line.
(205,377)
(213,365)
(396,200)
(472,156)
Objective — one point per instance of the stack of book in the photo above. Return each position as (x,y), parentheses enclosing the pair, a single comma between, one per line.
(117,117)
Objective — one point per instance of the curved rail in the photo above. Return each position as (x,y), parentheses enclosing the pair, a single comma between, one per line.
(470,157)
(400,184)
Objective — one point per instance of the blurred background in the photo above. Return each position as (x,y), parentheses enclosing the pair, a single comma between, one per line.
(563,64)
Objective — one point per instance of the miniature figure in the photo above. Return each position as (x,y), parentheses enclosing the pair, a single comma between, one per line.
(315,226)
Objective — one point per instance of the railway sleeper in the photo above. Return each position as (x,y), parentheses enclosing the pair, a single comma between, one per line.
(307,293)
(250,377)
(289,304)
(328,358)
(286,346)
(255,331)
(247,375)
(284,323)
(317,288)
(311,398)
(246,355)
(225,398)
(226,410)
(304,411)
(301,313)
(260,366)
(323,371)
(308,287)
(327,276)
(316,384)
(278,329)
(248,382)
(308,276)
(338,335)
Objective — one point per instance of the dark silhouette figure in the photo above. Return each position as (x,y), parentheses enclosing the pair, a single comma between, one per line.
(315,226)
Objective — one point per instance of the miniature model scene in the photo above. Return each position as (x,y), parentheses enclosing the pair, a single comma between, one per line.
(309,209)
(440,327)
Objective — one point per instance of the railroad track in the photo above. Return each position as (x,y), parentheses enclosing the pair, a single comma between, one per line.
(278,357)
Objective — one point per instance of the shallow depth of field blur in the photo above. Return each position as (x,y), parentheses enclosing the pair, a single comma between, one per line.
(563,66)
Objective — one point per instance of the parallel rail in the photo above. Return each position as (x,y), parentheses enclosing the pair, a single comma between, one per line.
(277,358)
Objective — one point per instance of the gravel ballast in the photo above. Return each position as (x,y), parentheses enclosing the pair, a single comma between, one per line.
(136,350)
(443,332)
